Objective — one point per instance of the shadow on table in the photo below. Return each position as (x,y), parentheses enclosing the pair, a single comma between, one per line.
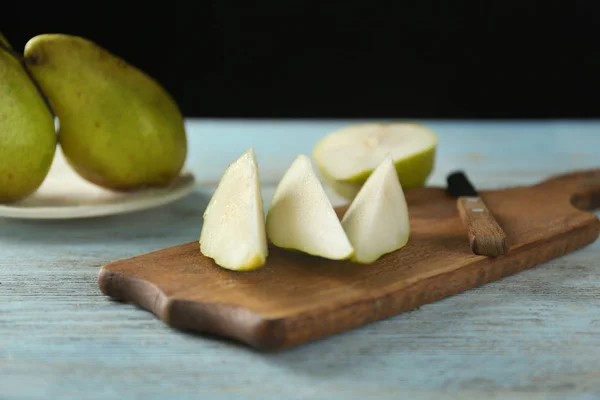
(361,348)
(180,219)
(503,316)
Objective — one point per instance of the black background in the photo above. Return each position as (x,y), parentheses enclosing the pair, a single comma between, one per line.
(413,59)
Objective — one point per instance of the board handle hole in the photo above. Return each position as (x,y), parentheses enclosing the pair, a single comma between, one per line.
(587,194)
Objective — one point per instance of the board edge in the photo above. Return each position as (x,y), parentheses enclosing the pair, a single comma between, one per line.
(219,319)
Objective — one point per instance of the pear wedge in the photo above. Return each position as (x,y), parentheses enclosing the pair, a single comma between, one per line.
(233,232)
(377,221)
(301,217)
(346,157)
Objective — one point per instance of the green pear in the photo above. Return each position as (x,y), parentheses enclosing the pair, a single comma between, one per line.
(27,133)
(118,127)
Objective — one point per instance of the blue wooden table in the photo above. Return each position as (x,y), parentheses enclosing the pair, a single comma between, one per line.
(532,335)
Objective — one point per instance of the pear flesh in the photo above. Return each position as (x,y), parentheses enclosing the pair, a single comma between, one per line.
(27,135)
(377,220)
(118,127)
(233,232)
(346,157)
(301,217)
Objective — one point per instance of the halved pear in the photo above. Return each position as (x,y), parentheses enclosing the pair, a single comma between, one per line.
(233,233)
(346,157)
(302,218)
(376,221)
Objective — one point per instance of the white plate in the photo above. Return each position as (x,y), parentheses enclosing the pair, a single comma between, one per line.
(64,195)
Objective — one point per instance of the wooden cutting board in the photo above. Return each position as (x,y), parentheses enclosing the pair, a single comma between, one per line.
(297,298)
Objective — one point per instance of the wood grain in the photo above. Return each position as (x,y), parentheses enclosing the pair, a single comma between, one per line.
(486,237)
(297,298)
(533,335)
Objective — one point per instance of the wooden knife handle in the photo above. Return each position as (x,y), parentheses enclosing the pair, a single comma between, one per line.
(485,235)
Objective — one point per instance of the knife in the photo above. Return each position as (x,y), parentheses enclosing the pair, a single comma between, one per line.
(486,237)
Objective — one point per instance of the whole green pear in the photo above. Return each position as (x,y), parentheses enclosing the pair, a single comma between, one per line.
(27,133)
(118,127)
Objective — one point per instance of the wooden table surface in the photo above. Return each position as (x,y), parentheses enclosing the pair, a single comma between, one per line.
(532,335)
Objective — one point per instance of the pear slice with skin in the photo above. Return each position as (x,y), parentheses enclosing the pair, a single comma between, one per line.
(346,157)
(302,218)
(377,221)
(233,233)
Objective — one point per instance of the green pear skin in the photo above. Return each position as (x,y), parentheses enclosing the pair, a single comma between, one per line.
(27,134)
(118,127)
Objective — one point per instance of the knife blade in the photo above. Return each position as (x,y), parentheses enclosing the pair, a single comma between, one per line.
(486,237)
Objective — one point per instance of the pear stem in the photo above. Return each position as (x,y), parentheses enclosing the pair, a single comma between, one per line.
(23,61)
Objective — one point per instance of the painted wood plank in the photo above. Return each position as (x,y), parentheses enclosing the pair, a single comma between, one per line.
(533,335)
